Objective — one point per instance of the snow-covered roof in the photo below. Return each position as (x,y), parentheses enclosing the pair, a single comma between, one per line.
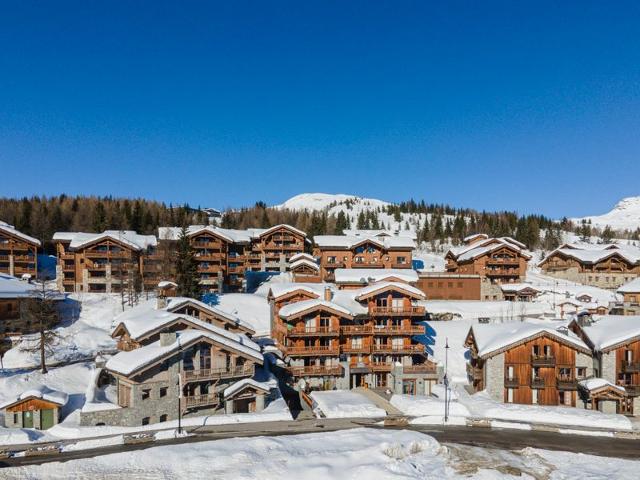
(351,241)
(281,289)
(228,234)
(493,338)
(167,284)
(11,287)
(282,225)
(304,262)
(298,307)
(127,237)
(631,287)
(381,233)
(585,253)
(11,230)
(127,363)
(475,236)
(382,286)
(144,319)
(517,287)
(301,256)
(42,392)
(592,384)
(240,385)
(174,303)
(477,249)
(608,331)
(365,276)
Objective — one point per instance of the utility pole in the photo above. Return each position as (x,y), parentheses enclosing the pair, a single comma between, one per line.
(180,389)
(446,380)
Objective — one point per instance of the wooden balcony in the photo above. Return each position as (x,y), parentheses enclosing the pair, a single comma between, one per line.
(511,382)
(356,329)
(205,400)
(320,350)
(632,390)
(543,361)
(630,367)
(313,332)
(502,273)
(381,366)
(283,247)
(566,383)
(348,348)
(316,371)
(503,261)
(401,265)
(332,264)
(421,368)
(367,265)
(205,374)
(537,382)
(399,311)
(399,349)
(398,330)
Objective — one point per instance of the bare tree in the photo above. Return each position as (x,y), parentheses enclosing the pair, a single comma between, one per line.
(40,309)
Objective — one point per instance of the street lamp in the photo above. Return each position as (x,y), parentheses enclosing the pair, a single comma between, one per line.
(446,380)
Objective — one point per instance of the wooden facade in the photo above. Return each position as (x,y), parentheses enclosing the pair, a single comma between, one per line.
(18,252)
(450,286)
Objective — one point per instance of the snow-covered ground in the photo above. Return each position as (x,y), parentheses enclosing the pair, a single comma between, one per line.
(430,409)
(253,309)
(344,404)
(349,454)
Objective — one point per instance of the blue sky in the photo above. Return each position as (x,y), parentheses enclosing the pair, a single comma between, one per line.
(522,106)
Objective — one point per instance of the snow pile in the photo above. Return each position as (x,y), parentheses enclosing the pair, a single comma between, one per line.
(481,405)
(41,392)
(430,409)
(344,404)
(252,309)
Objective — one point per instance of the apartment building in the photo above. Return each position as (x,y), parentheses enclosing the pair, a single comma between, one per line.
(106,262)
(615,342)
(18,252)
(362,251)
(451,286)
(528,363)
(371,336)
(605,266)
(630,304)
(499,260)
(178,356)
(225,255)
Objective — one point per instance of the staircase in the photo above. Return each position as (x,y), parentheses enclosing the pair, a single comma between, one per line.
(380,401)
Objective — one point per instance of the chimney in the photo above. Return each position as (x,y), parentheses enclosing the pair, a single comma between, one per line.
(167,339)
(328,294)
(161,302)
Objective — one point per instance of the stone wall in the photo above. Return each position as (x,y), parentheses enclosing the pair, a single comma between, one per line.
(494,377)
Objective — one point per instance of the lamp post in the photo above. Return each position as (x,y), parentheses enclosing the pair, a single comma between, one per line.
(446,380)
(180,388)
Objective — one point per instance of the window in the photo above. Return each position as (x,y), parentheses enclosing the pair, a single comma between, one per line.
(534,397)
(146,393)
(146,420)
(402,260)
(163,417)
(16,418)
(163,392)
(460,284)
(581,372)
(509,395)
(450,284)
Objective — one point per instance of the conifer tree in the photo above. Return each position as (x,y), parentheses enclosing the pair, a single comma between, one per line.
(186,267)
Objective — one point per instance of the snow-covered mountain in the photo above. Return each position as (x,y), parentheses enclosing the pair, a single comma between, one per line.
(338,201)
(624,216)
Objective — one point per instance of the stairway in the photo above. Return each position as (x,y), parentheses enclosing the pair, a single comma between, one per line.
(379,401)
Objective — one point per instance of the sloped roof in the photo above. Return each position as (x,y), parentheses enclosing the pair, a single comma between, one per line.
(241,385)
(517,287)
(382,286)
(366,275)
(596,253)
(41,392)
(609,331)
(301,262)
(305,305)
(491,339)
(11,230)
(631,287)
(477,249)
(301,256)
(351,241)
(11,287)
(126,237)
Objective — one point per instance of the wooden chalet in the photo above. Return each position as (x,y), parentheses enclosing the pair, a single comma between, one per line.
(37,408)
(18,252)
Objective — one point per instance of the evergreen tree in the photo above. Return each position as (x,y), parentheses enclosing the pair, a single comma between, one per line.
(361,225)
(186,267)
(607,234)
(341,223)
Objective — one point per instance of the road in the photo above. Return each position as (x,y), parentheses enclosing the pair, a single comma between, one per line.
(509,439)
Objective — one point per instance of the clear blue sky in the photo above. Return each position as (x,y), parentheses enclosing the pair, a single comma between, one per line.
(523,106)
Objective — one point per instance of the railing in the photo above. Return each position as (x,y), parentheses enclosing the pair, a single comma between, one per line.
(297,332)
(630,367)
(381,366)
(502,273)
(213,373)
(543,361)
(420,368)
(315,370)
(333,264)
(355,348)
(398,330)
(412,310)
(511,382)
(356,329)
(367,265)
(313,350)
(204,400)
(503,261)
(537,382)
(398,348)
(474,372)
(566,383)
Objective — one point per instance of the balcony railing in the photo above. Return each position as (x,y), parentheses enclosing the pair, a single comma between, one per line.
(355,348)
(543,361)
(313,350)
(313,331)
(398,330)
(420,368)
(203,374)
(632,390)
(381,366)
(205,400)
(333,264)
(356,329)
(630,367)
(389,348)
(566,383)
(537,382)
(408,311)
(511,382)
(315,371)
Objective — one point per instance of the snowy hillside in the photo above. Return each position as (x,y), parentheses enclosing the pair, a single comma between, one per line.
(624,216)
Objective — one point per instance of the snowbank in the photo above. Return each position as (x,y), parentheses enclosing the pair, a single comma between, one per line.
(430,410)
(344,404)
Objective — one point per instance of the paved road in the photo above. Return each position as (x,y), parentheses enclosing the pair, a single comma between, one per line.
(481,437)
